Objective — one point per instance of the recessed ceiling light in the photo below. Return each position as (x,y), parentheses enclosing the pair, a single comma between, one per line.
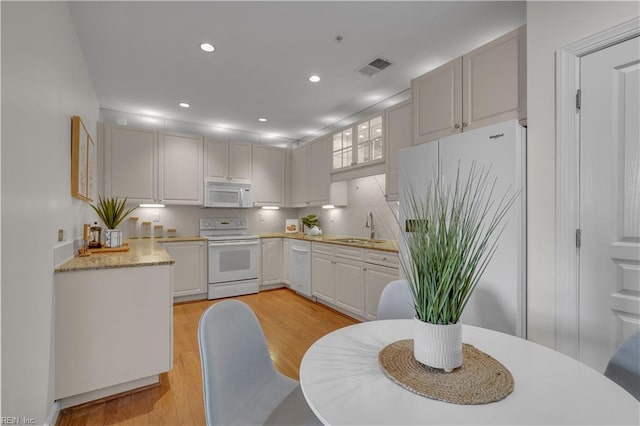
(207,47)
(262,119)
(184,105)
(314,79)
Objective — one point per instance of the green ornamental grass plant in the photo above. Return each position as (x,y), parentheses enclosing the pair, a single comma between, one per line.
(451,242)
(111,211)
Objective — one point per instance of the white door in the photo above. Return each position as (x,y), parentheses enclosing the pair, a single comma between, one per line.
(609,256)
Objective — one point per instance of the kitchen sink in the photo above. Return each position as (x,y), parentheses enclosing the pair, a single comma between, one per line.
(357,241)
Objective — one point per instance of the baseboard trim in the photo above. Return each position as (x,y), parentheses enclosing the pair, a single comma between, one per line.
(52,417)
(109,392)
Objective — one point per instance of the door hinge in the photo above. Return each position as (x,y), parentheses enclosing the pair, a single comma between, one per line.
(578,99)
(578,238)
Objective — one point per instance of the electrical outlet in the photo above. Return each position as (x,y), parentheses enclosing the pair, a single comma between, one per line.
(60,234)
(261,217)
(155,217)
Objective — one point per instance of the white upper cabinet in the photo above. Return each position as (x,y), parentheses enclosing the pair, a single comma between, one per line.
(227,161)
(299,176)
(311,174)
(150,167)
(437,102)
(494,85)
(357,145)
(319,163)
(269,165)
(131,164)
(485,86)
(180,169)
(398,135)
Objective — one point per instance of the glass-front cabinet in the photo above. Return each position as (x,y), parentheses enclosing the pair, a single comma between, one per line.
(365,148)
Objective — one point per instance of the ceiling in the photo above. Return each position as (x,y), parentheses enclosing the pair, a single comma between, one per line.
(144,58)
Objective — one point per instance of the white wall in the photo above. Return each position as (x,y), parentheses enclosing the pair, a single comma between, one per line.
(44,82)
(364,195)
(550,26)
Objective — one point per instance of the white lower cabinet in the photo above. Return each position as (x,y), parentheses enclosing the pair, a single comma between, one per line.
(376,277)
(350,285)
(271,261)
(113,329)
(337,277)
(190,269)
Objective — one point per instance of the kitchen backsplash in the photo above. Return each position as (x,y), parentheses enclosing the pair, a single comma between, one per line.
(365,194)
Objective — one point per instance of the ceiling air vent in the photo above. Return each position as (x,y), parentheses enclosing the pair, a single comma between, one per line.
(374,67)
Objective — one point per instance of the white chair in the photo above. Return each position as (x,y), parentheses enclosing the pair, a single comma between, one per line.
(241,385)
(396,301)
(624,366)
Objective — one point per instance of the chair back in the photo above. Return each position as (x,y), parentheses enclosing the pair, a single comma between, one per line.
(235,360)
(624,366)
(396,301)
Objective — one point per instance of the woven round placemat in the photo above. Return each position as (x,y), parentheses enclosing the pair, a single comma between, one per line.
(480,380)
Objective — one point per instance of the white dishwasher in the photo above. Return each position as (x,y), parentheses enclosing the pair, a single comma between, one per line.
(300,264)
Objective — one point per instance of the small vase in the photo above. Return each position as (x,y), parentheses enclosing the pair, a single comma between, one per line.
(437,345)
(112,238)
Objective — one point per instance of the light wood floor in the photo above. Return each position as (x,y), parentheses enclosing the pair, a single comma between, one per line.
(290,323)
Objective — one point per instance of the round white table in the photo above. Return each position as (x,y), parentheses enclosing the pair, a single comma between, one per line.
(343,384)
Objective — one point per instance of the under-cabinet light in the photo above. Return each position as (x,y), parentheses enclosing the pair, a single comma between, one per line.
(270,208)
(154,206)
(328,206)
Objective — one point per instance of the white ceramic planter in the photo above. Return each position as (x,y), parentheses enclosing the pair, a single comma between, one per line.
(436,345)
(112,238)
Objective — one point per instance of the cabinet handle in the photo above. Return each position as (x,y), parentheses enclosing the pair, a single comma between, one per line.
(457,126)
(464,124)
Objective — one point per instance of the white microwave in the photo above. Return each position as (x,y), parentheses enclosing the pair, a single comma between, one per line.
(227,194)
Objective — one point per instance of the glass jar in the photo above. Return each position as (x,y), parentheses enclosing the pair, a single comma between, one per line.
(157,231)
(145,230)
(133,227)
(171,232)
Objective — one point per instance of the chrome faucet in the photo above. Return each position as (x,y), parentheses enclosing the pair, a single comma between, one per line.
(369,224)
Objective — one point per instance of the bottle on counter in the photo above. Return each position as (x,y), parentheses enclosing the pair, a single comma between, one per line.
(158,231)
(145,230)
(133,227)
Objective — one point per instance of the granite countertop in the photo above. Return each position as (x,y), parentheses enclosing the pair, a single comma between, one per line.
(142,252)
(385,245)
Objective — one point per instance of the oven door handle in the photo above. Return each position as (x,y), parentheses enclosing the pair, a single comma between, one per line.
(232,243)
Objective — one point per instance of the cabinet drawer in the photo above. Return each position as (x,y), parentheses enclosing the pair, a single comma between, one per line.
(349,252)
(322,248)
(383,258)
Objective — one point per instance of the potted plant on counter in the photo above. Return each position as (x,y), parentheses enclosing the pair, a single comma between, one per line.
(111,212)
(310,223)
(453,235)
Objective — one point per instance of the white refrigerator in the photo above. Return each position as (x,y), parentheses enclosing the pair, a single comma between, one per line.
(499,300)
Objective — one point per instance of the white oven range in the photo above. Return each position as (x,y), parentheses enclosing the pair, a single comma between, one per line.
(233,256)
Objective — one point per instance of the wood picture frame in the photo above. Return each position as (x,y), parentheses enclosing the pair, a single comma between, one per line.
(83,156)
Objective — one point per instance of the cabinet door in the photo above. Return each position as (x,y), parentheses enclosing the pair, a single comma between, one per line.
(268,172)
(319,162)
(285,261)
(398,135)
(271,261)
(349,286)
(239,162)
(180,171)
(216,153)
(437,102)
(494,82)
(190,269)
(376,277)
(131,164)
(299,176)
(323,277)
